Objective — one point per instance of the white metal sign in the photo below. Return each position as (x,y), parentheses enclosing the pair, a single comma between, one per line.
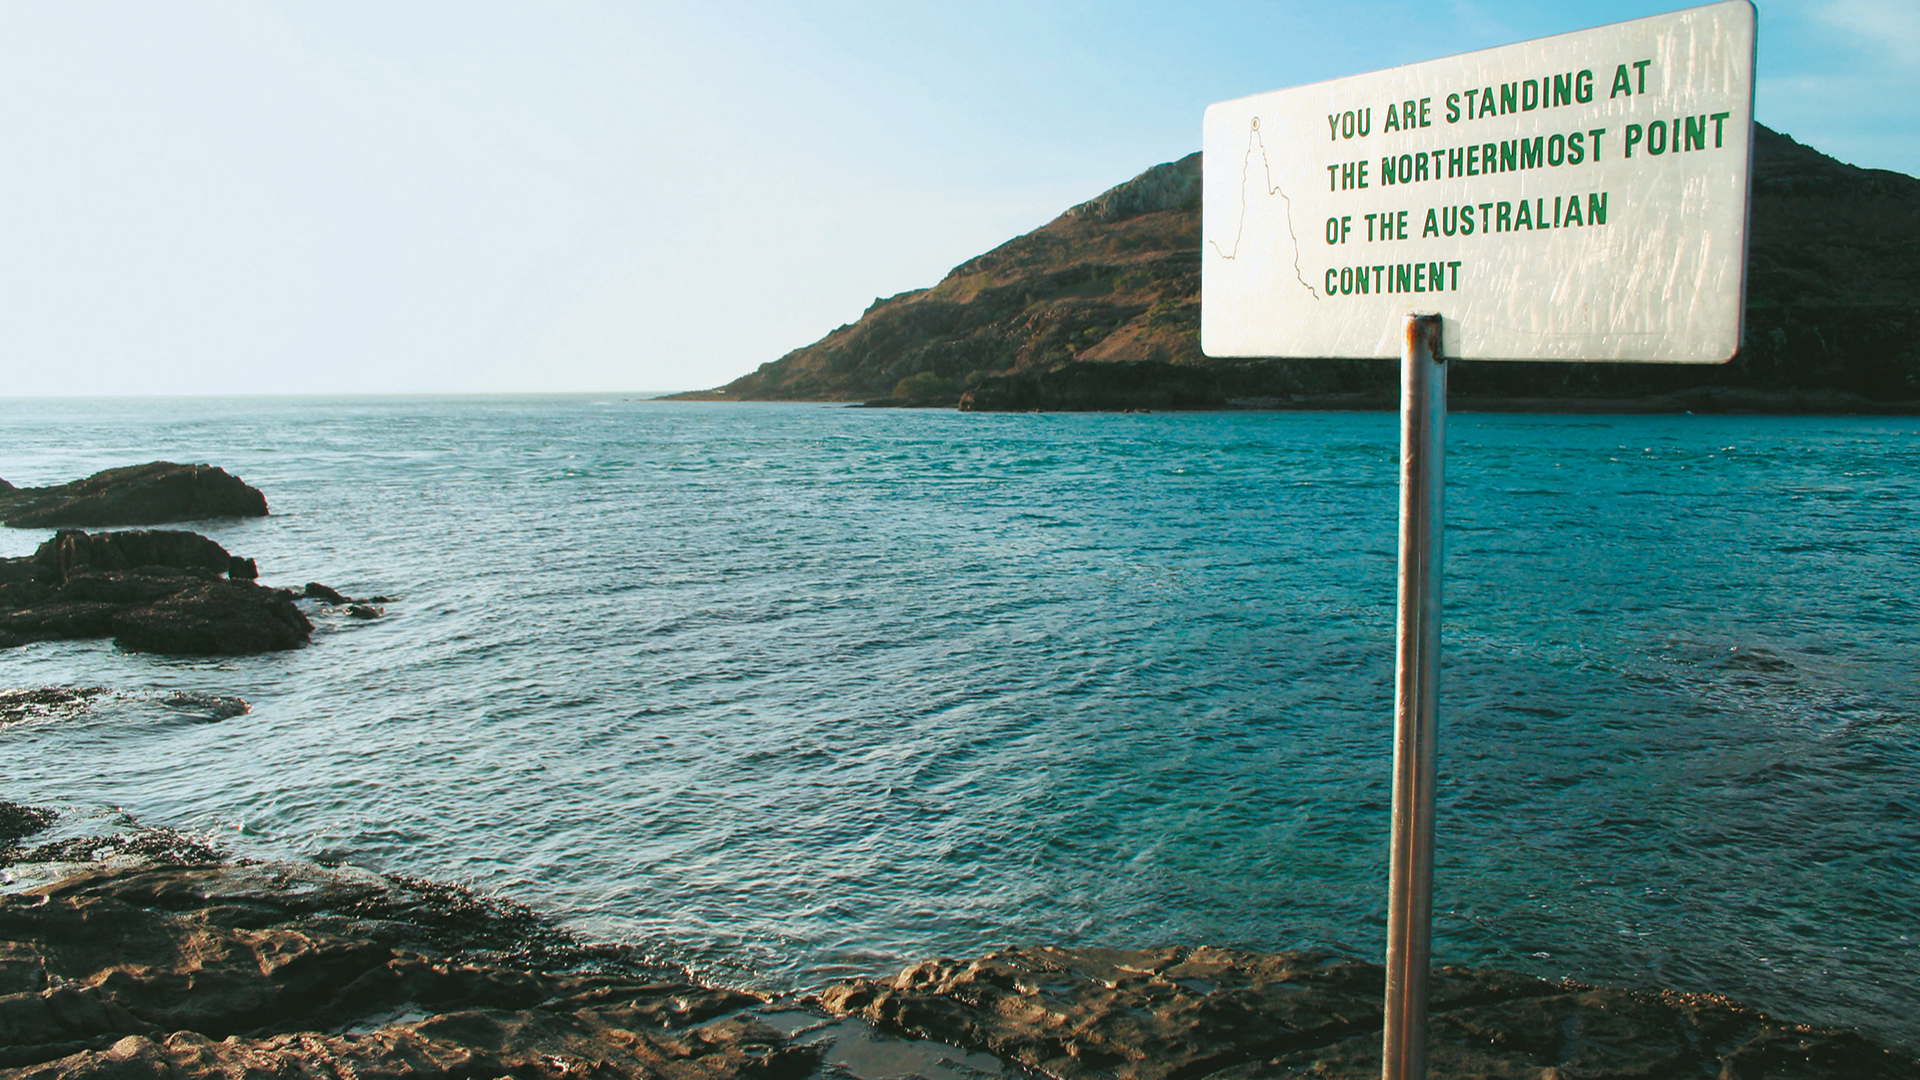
(1580,197)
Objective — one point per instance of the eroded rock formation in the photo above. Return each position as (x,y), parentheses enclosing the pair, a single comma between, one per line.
(280,969)
(1217,1014)
(163,591)
(184,966)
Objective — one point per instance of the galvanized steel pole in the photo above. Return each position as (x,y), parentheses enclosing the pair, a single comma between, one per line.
(1416,706)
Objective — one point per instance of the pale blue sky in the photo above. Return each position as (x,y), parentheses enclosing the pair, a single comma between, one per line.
(370,198)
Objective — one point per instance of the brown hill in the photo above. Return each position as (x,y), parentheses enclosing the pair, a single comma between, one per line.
(1100,309)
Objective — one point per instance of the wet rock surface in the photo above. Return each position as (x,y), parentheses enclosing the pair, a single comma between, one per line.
(73,551)
(213,618)
(17,821)
(137,845)
(281,969)
(151,590)
(212,707)
(125,841)
(61,703)
(150,494)
(179,964)
(1190,1013)
(45,702)
(355,607)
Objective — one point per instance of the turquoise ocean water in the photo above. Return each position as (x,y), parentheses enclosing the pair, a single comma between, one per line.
(787,692)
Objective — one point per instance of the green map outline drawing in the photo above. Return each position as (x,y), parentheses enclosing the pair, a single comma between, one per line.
(1246,164)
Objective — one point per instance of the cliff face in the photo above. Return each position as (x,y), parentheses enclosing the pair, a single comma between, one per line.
(1100,309)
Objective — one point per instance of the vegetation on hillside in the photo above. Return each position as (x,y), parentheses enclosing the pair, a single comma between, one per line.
(1100,309)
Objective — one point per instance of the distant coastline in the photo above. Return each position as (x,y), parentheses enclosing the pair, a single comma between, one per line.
(1706,400)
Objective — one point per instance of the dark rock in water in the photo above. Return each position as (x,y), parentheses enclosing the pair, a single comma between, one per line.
(358,609)
(72,550)
(240,569)
(154,610)
(46,701)
(317,591)
(151,590)
(1189,1014)
(18,821)
(213,618)
(165,846)
(211,706)
(279,969)
(135,495)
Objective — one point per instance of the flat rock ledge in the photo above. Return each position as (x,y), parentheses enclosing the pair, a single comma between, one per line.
(286,970)
(1218,1014)
(150,494)
(181,964)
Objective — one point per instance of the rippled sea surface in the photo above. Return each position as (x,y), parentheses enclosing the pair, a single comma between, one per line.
(786,692)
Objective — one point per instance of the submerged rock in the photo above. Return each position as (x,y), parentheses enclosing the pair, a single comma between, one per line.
(210,706)
(356,608)
(1193,1013)
(45,701)
(58,702)
(149,494)
(18,821)
(139,845)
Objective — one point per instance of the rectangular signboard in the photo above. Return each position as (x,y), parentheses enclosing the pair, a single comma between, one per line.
(1580,197)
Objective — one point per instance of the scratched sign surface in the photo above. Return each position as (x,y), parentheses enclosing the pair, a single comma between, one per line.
(1580,197)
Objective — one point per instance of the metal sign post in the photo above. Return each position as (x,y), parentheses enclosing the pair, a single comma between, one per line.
(1577,197)
(1416,703)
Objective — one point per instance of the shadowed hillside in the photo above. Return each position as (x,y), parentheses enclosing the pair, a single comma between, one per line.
(1100,309)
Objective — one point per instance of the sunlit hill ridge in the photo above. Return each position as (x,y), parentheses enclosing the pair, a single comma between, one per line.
(1100,309)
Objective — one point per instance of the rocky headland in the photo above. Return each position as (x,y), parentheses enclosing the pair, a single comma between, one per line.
(150,494)
(146,954)
(1100,310)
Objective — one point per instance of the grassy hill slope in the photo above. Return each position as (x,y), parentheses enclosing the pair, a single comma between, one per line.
(1100,309)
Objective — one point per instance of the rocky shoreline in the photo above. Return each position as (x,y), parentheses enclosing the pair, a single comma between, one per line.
(147,954)
(190,966)
(129,951)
